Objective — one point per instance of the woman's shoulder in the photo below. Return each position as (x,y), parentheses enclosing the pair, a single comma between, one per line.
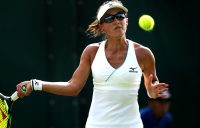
(93,47)
(91,50)
(141,49)
(143,54)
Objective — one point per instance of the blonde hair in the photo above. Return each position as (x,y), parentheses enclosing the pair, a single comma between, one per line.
(93,29)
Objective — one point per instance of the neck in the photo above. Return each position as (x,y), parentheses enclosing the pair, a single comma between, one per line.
(116,43)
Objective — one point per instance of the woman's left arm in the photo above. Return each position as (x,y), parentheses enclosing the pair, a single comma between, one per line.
(154,88)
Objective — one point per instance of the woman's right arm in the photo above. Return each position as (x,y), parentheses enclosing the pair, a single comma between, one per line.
(71,87)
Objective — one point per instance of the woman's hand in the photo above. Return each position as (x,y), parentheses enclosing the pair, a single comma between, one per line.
(20,92)
(156,89)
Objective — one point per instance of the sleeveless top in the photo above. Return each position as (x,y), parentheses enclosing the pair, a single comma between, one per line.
(115,92)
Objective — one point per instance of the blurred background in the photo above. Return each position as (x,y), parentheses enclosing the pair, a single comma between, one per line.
(43,39)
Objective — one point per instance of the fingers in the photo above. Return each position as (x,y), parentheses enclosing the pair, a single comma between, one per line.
(156,89)
(19,91)
(23,89)
(161,89)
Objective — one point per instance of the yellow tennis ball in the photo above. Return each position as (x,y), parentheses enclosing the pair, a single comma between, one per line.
(146,22)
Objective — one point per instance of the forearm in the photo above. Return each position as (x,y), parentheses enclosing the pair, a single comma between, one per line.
(58,88)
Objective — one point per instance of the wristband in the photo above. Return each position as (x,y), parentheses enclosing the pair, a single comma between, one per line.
(36,85)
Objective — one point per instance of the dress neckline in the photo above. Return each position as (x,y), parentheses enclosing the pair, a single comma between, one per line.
(107,59)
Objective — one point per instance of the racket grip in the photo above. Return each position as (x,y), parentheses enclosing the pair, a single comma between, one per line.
(14,96)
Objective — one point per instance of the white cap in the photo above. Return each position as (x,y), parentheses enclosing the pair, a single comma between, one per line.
(112,4)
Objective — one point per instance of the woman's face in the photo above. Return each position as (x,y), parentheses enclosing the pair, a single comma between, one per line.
(116,27)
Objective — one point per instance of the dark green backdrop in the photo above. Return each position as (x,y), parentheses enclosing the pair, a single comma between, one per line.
(43,39)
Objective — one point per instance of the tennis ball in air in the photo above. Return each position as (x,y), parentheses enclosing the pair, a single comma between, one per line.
(146,22)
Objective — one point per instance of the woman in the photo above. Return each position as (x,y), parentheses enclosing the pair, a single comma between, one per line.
(117,65)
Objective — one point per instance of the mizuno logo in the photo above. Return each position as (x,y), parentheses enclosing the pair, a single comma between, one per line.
(36,83)
(133,69)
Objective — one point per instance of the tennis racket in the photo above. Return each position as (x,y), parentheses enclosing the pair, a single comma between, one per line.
(6,104)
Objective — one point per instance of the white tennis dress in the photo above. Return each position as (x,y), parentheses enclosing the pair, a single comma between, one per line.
(115,93)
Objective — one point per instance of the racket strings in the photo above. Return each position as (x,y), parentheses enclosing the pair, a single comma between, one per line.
(4,116)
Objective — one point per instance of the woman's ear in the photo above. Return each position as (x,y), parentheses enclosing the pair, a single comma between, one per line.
(101,27)
(127,21)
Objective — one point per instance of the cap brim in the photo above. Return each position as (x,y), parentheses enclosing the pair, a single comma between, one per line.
(105,8)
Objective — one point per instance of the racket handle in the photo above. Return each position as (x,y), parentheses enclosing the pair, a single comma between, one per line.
(14,96)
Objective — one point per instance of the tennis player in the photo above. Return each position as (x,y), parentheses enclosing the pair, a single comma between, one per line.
(117,65)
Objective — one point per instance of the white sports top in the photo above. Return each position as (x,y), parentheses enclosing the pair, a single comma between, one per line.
(115,93)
